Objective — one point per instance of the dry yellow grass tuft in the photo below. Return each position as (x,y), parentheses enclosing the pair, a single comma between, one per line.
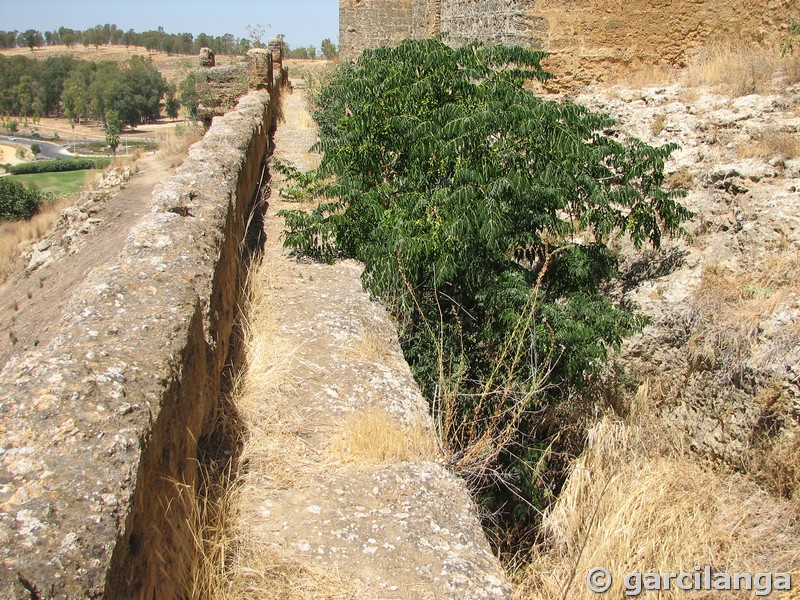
(14,235)
(659,121)
(772,143)
(730,308)
(739,69)
(640,76)
(175,145)
(375,436)
(635,503)
(680,179)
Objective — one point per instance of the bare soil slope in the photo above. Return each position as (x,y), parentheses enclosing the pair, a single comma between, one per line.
(87,236)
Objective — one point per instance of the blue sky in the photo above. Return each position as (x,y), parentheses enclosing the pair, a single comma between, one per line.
(303,22)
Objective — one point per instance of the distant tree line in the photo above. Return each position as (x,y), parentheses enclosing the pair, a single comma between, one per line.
(154,41)
(104,35)
(122,95)
(327,47)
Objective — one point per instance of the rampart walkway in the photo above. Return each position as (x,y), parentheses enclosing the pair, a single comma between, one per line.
(343,494)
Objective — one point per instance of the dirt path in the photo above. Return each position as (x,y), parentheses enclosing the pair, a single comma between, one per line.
(32,299)
(344,495)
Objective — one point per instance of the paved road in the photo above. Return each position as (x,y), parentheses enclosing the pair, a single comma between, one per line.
(49,149)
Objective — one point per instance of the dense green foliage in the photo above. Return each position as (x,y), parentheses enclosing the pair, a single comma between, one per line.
(31,88)
(18,201)
(59,165)
(484,216)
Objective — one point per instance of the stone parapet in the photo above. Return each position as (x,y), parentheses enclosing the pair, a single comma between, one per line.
(99,430)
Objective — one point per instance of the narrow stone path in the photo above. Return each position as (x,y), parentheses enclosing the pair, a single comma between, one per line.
(343,493)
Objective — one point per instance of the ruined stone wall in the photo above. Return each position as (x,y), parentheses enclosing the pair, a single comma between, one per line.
(372,23)
(100,429)
(489,21)
(589,39)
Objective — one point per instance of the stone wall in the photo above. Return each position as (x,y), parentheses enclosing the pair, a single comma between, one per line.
(589,39)
(490,21)
(372,23)
(99,430)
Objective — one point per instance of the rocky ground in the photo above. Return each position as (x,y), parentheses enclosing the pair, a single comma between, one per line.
(722,354)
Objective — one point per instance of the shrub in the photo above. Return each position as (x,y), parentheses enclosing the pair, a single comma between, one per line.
(59,165)
(17,201)
(483,215)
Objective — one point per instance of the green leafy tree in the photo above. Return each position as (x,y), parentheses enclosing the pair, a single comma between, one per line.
(75,96)
(484,216)
(23,92)
(112,137)
(31,38)
(17,201)
(329,50)
(172,105)
(36,150)
(189,96)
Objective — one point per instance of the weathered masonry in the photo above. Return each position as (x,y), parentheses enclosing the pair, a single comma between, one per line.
(100,429)
(588,38)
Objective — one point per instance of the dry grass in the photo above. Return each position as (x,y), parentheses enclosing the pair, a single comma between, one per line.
(657,126)
(228,564)
(173,68)
(776,447)
(375,436)
(731,309)
(640,76)
(772,143)
(681,179)
(777,464)
(175,146)
(635,503)
(740,69)
(235,564)
(15,236)
(316,75)
(371,346)
(736,69)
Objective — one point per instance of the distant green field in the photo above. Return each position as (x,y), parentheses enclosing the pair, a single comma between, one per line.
(56,183)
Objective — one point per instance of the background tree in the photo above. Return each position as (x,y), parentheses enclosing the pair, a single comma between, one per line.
(172,105)
(31,38)
(113,128)
(329,50)
(255,33)
(189,96)
(36,150)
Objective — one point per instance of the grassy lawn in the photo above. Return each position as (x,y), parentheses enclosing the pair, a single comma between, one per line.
(57,183)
